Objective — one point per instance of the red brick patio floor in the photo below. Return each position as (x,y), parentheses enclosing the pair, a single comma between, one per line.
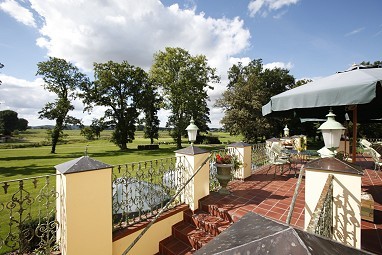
(263,194)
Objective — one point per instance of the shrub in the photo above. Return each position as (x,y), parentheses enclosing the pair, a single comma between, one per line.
(207,139)
(148,147)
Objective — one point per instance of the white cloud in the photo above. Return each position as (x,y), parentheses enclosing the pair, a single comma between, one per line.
(84,32)
(245,61)
(99,31)
(133,31)
(24,97)
(280,14)
(27,98)
(355,31)
(18,12)
(265,6)
(282,65)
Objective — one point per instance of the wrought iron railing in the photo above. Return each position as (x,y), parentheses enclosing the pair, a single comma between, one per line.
(179,190)
(374,140)
(141,189)
(321,222)
(259,156)
(28,215)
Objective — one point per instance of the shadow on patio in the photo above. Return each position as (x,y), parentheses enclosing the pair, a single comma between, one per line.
(271,197)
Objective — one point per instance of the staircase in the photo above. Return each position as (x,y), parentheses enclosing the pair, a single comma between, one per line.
(196,229)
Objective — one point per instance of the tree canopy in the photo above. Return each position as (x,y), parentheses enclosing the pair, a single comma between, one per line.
(183,80)
(249,88)
(10,122)
(62,78)
(151,107)
(120,88)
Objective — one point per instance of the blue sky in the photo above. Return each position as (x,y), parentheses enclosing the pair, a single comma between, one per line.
(312,39)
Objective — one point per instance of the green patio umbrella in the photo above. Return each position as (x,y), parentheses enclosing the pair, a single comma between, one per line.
(357,90)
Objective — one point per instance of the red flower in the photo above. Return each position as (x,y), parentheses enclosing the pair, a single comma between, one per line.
(225,159)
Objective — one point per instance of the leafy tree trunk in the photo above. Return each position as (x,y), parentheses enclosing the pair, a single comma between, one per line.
(56,134)
(61,78)
(123,145)
(179,141)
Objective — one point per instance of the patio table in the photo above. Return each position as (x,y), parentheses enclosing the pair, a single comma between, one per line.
(300,158)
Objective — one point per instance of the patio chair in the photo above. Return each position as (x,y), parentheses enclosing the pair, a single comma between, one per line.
(278,159)
(366,145)
(376,158)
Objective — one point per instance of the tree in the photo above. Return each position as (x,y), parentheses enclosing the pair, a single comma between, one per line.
(249,88)
(22,124)
(88,133)
(63,79)
(150,109)
(183,80)
(301,82)
(377,63)
(119,87)
(97,127)
(8,122)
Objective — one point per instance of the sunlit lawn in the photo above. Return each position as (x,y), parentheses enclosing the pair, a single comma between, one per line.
(18,163)
(34,161)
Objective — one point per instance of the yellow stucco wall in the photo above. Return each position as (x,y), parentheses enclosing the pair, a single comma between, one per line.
(346,208)
(244,154)
(86,212)
(193,192)
(149,243)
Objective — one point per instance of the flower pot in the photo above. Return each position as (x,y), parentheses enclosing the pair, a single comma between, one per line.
(224,176)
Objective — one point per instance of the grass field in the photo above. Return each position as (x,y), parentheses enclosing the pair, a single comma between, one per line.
(25,158)
(33,161)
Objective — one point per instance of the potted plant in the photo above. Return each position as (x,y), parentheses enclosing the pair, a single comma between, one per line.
(225,164)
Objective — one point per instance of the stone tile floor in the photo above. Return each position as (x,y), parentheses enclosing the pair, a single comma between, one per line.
(263,194)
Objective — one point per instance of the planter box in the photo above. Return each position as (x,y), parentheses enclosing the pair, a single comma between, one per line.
(367,207)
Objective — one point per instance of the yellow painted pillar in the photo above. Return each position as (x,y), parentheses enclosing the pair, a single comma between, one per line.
(243,152)
(84,207)
(192,158)
(346,216)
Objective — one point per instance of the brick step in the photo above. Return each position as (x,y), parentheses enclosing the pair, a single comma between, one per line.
(214,210)
(173,246)
(196,229)
(190,235)
(202,220)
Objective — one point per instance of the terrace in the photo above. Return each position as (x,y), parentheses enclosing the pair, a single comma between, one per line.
(194,225)
(271,197)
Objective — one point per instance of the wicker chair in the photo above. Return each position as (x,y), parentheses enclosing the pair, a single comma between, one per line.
(278,159)
(366,145)
(376,158)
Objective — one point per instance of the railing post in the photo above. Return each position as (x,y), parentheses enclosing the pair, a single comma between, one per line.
(84,207)
(243,152)
(193,157)
(346,206)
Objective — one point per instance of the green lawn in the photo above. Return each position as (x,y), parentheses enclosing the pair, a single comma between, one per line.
(33,161)
(25,157)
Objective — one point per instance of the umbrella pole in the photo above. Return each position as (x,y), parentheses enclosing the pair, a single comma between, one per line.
(354,145)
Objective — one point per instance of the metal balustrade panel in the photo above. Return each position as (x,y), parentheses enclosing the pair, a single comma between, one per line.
(259,155)
(141,189)
(28,215)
